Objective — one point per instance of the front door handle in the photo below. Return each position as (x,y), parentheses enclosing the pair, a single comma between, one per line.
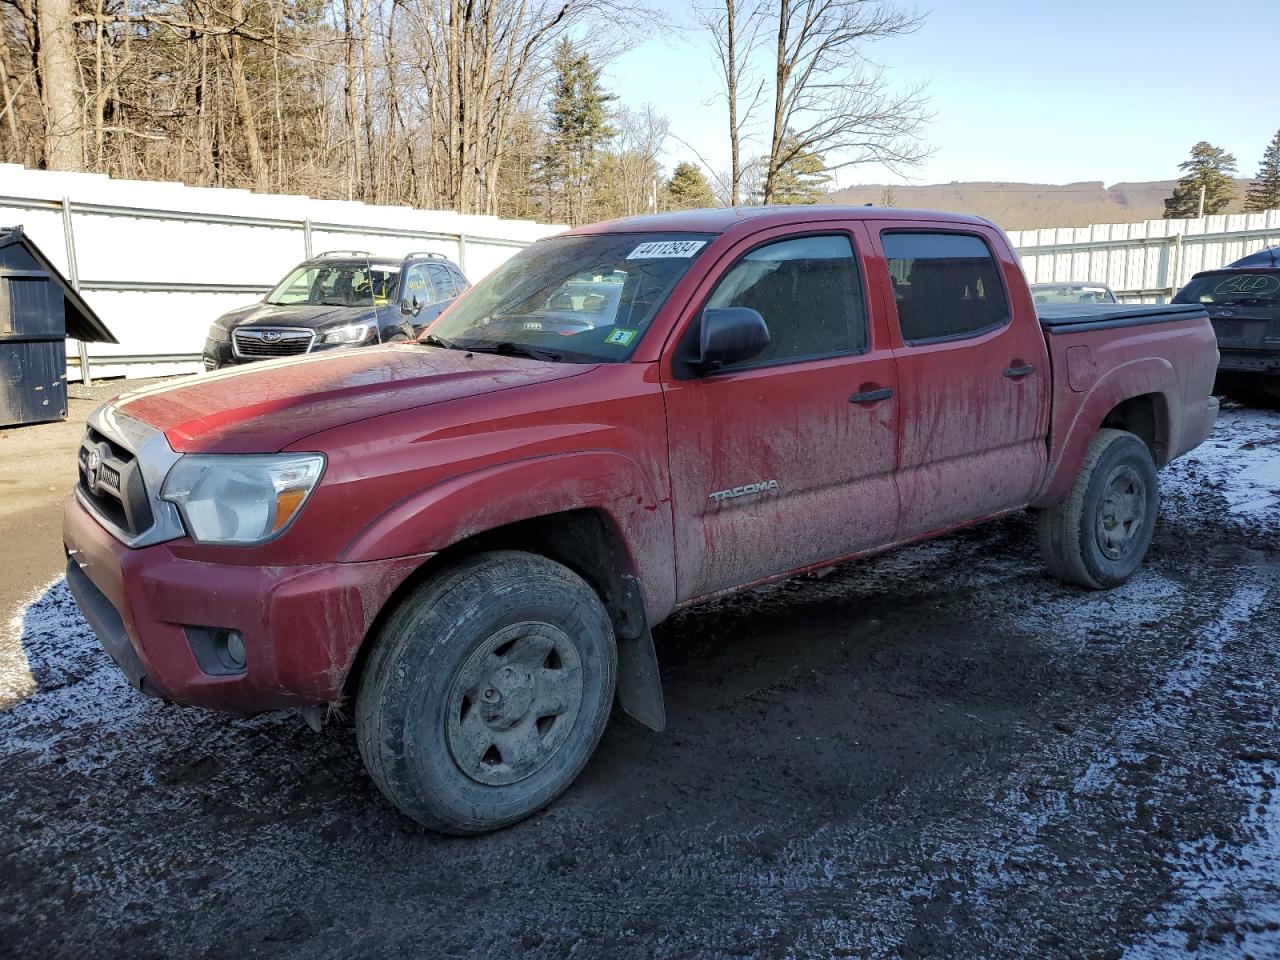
(872,396)
(1020,370)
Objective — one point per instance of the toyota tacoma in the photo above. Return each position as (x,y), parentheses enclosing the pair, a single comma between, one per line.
(468,538)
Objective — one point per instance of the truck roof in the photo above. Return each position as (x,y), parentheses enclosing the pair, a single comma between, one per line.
(720,219)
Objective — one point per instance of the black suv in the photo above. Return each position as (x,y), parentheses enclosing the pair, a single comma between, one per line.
(345,298)
(1243,301)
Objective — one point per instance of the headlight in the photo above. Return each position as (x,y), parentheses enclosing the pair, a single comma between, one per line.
(352,333)
(241,499)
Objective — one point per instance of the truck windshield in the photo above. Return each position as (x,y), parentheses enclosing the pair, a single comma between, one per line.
(583,299)
(354,284)
(1255,288)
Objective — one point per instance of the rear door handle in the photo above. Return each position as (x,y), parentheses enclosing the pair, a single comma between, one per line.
(1026,369)
(872,396)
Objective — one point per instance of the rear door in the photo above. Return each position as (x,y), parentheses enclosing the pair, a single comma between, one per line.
(786,460)
(973,378)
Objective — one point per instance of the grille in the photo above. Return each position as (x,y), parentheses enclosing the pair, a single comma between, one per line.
(109,479)
(263,342)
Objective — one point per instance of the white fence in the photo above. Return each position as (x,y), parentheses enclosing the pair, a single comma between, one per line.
(1143,262)
(160,261)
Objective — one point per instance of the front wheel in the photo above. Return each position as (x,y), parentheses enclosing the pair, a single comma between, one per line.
(1099,534)
(486,692)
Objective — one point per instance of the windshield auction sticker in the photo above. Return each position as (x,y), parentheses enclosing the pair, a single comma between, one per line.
(621,337)
(663,249)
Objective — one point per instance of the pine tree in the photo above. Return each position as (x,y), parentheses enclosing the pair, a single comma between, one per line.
(688,188)
(1265,192)
(802,179)
(1209,167)
(579,127)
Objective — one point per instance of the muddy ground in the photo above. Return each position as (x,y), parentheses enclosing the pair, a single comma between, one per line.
(938,753)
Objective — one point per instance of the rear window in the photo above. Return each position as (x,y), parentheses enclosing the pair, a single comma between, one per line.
(1071,293)
(1243,288)
(946,285)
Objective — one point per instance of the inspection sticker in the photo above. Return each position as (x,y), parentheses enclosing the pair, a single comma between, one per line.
(661,249)
(621,338)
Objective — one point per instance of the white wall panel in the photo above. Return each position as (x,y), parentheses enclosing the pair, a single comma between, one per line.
(136,241)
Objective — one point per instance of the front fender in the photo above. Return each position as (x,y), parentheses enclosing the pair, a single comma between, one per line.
(448,512)
(1078,418)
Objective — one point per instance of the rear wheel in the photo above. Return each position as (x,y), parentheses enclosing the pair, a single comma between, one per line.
(1099,534)
(486,692)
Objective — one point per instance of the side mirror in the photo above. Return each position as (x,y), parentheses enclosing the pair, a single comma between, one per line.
(731,335)
(411,308)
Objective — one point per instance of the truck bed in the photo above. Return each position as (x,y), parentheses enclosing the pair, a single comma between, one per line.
(1057,318)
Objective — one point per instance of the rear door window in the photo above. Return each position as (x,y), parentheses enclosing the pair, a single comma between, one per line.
(809,293)
(947,286)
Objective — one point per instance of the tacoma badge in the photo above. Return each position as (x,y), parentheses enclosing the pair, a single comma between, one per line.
(746,490)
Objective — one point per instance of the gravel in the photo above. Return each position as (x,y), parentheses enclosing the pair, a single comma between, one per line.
(938,752)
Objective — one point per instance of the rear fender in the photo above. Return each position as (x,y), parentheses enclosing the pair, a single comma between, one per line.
(1072,430)
(446,513)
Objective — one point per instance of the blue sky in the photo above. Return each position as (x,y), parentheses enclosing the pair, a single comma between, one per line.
(1030,90)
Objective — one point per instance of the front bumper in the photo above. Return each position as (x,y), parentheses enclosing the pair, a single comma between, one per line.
(302,626)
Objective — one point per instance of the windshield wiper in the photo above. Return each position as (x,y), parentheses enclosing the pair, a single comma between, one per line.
(515,350)
(431,340)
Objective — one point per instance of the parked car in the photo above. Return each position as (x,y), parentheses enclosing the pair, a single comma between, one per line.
(1243,301)
(1072,291)
(469,537)
(345,298)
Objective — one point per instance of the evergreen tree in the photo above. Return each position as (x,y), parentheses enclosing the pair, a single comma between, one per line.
(688,188)
(802,179)
(1265,192)
(1209,167)
(579,126)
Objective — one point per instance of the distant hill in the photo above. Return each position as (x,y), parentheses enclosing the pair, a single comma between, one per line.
(1022,206)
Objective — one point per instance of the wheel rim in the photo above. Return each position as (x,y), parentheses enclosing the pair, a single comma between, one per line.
(514,703)
(1122,513)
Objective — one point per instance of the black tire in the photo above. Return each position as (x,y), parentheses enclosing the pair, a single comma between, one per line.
(460,661)
(396,338)
(1099,534)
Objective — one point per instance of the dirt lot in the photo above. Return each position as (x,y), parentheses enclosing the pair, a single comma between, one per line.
(938,753)
(37,470)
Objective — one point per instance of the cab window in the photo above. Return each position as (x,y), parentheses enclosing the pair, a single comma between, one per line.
(946,286)
(442,280)
(418,286)
(809,293)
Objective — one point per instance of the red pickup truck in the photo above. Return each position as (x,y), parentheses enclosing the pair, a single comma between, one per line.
(470,536)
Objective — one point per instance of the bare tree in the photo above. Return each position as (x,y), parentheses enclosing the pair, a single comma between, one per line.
(630,171)
(830,99)
(734,27)
(59,82)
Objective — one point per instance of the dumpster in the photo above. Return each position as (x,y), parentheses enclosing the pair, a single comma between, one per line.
(39,309)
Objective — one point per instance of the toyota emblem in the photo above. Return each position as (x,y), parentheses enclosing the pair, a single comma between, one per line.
(271,336)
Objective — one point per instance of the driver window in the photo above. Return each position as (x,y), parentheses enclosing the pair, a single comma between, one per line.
(809,293)
(443,282)
(416,284)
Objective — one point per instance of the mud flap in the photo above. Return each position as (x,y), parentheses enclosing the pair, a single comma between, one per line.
(639,682)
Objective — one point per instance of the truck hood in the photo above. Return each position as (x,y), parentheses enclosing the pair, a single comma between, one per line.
(265,407)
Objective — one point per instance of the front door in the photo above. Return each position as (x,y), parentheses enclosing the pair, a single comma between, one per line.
(973,379)
(785,460)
